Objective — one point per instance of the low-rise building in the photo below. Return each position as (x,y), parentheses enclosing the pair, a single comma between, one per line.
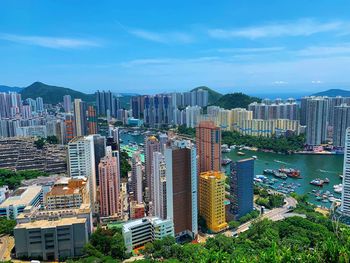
(51,239)
(20,199)
(69,193)
(138,232)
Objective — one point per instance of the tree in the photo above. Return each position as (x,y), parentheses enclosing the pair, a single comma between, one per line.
(39,143)
(233,224)
(52,139)
(118,248)
(125,166)
(7,226)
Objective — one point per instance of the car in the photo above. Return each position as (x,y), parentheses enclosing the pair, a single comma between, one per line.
(234,234)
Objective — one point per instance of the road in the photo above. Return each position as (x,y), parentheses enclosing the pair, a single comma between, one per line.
(274,215)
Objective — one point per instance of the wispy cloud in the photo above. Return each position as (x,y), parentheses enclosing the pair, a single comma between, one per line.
(50,42)
(166,61)
(250,50)
(339,49)
(302,27)
(280,82)
(163,37)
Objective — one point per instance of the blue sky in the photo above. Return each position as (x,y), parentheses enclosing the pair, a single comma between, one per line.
(161,46)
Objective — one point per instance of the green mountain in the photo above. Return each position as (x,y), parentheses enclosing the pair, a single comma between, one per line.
(235,100)
(333,93)
(53,94)
(212,94)
(4,88)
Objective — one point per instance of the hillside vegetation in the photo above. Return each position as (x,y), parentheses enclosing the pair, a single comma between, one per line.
(53,94)
(213,96)
(235,100)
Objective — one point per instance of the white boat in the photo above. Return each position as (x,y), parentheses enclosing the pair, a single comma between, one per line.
(338,188)
(255,157)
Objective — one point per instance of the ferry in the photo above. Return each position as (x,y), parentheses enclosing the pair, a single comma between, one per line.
(240,153)
(290,172)
(317,182)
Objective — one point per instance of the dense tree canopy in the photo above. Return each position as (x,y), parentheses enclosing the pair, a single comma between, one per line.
(125,166)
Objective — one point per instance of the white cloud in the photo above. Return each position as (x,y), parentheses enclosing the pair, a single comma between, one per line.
(164,37)
(280,82)
(50,42)
(303,27)
(316,82)
(339,49)
(250,50)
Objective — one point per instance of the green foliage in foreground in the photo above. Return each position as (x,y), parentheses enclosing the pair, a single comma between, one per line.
(276,144)
(268,200)
(13,179)
(294,239)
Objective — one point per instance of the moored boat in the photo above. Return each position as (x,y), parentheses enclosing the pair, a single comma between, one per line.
(317,182)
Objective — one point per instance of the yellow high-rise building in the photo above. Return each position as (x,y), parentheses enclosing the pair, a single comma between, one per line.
(212,196)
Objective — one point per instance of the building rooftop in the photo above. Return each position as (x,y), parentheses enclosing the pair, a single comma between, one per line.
(51,223)
(22,196)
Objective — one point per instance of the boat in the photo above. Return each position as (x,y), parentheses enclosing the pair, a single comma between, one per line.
(338,188)
(240,153)
(232,147)
(225,148)
(317,182)
(341,176)
(255,157)
(280,175)
(290,172)
(326,181)
(226,161)
(268,171)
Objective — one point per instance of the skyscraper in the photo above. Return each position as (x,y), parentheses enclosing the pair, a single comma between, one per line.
(69,131)
(99,151)
(109,178)
(67,103)
(316,120)
(345,198)
(241,187)
(80,117)
(208,141)
(212,197)
(151,145)
(81,162)
(181,187)
(39,104)
(158,182)
(341,121)
(92,120)
(104,102)
(136,177)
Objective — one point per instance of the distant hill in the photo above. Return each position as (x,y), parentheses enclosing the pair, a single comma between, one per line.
(235,100)
(333,93)
(53,94)
(213,96)
(4,88)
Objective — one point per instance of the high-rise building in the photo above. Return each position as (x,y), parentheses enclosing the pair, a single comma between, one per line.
(99,152)
(80,117)
(212,197)
(39,104)
(316,120)
(241,187)
(192,116)
(151,145)
(81,162)
(158,182)
(341,121)
(67,103)
(277,110)
(208,141)
(104,103)
(181,187)
(136,177)
(109,174)
(69,131)
(92,120)
(345,198)
(137,106)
